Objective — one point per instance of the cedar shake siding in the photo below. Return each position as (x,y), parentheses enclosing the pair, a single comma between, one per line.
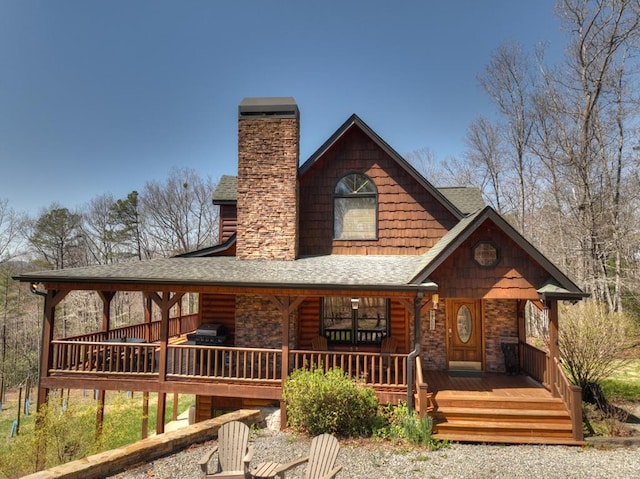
(228,222)
(410,220)
(268,144)
(516,275)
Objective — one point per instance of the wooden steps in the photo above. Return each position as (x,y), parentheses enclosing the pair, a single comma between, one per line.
(476,417)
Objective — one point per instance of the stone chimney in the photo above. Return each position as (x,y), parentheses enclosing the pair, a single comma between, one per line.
(268,151)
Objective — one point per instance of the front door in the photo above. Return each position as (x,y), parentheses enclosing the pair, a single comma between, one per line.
(464,334)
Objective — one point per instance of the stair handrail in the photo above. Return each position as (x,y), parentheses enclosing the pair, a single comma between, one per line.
(571,396)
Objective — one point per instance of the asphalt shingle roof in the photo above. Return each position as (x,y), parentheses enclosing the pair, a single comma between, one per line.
(377,272)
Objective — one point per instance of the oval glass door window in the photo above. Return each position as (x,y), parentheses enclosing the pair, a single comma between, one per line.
(464,324)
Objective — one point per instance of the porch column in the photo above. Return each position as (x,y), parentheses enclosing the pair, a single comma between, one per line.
(286,306)
(107,297)
(166,302)
(52,298)
(148,305)
(554,353)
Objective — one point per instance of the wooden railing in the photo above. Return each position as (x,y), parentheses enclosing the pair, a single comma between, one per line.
(571,395)
(103,357)
(381,370)
(177,326)
(219,362)
(424,399)
(535,363)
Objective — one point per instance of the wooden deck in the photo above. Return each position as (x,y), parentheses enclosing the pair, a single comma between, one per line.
(497,408)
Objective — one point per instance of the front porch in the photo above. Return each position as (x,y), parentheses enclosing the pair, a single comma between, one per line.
(525,408)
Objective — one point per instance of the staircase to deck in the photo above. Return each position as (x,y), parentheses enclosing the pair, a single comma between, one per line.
(515,421)
(501,415)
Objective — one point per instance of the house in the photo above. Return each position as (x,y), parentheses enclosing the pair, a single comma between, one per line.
(354,246)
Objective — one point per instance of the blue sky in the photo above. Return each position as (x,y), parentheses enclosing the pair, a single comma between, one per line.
(101,96)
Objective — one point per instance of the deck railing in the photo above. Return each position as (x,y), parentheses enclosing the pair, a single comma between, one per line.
(424,399)
(571,395)
(381,370)
(228,363)
(177,326)
(103,357)
(535,364)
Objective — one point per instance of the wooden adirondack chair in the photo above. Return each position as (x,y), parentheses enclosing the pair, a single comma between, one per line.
(234,453)
(320,461)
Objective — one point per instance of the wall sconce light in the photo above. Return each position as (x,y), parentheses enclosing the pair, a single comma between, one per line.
(34,289)
(435,299)
(354,303)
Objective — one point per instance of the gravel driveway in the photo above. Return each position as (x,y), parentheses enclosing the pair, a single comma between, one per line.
(370,459)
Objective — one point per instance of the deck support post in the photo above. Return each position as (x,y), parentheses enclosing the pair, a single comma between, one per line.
(100,413)
(145,415)
(162,408)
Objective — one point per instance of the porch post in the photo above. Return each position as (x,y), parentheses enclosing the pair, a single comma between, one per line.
(166,302)
(107,297)
(552,308)
(148,304)
(162,367)
(52,298)
(411,359)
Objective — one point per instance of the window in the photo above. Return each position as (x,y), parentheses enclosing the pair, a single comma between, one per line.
(486,254)
(355,208)
(355,320)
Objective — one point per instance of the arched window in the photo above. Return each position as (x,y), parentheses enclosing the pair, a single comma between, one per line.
(355,208)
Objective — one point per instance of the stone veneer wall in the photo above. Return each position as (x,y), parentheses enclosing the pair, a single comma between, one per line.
(268,150)
(259,323)
(434,351)
(500,320)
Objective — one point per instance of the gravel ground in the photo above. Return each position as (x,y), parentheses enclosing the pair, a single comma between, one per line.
(370,459)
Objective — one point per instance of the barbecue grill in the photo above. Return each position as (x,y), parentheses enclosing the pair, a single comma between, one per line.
(209,335)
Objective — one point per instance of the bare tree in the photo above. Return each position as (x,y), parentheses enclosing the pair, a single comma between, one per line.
(179,214)
(485,157)
(11,223)
(509,82)
(583,132)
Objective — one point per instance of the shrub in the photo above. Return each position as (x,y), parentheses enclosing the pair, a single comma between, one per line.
(400,424)
(592,340)
(329,402)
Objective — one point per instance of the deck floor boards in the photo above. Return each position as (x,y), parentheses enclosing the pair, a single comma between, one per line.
(489,385)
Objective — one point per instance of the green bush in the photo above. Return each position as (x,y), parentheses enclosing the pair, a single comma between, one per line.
(329,402)
(398,423)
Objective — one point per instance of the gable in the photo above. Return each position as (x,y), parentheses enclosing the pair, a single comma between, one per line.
(411,218)
(522,271)
(516,275)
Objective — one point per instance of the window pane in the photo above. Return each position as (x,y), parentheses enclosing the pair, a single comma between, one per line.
(342,324)
(372,320)
(337,319)
(355,218)
(355,184)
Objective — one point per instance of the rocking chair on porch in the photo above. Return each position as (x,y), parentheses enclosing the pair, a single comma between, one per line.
(234,453)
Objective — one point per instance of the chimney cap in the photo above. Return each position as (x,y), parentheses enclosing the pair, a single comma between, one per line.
(272,107)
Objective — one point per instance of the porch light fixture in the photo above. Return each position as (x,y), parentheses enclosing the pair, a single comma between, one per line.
(35,289)
(354,303)
(435,298)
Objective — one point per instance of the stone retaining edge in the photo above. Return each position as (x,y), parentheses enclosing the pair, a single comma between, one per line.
(111,462)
